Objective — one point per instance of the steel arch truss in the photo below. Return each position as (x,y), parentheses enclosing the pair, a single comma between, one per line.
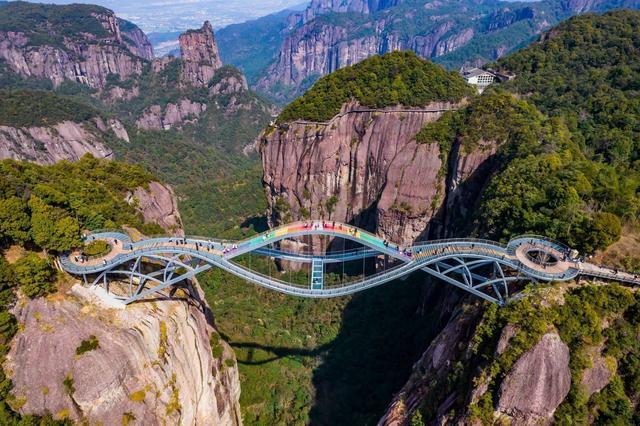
(485,277)
(149,274)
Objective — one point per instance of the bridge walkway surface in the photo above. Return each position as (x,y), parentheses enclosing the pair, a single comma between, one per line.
(482,267)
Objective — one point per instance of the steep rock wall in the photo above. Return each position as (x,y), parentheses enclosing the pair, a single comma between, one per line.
(154,364)
(199,55)
(158,204)
(83,59)
(366,168)
(66,140)
(173,115)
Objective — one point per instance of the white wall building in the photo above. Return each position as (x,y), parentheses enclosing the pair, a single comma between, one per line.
(478,77)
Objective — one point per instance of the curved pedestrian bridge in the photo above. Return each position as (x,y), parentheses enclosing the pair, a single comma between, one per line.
(132,271)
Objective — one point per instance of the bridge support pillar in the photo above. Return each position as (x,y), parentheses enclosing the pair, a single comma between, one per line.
(317,274)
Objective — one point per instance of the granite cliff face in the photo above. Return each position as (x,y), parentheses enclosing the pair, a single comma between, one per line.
(158,204)
(185,111)
(66,140)
(365,167)
(136,39)
(154,363)
(535,386)
(199,56)
(54,52)
(200,68)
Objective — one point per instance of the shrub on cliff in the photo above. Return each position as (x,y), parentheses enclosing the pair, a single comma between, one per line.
(397,78)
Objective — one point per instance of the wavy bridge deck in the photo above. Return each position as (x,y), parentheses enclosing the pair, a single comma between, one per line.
(485,268)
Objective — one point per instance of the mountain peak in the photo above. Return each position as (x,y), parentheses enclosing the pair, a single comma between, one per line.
(200,57)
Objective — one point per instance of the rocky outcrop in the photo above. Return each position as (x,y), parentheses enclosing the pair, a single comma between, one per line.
(153,365)
(318,48)
(185,111)
(137,41)
(596,377)
(230,84)
(434,367)
(199,56)
(66,140)
(362,167)
(365,167)
(320,7)
(537,383)
(84,58)
(158,204)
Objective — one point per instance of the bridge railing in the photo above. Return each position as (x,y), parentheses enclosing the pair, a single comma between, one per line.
(459,240)
(552,243)
(105,234)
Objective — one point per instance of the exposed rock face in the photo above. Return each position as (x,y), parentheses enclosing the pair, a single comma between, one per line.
(594,379)
(537,383)
(154,364)
(157,203)
(234,83)
(433,367)
(137,41)
(320,7)
(366,168)
(64,141)
(173,115)
(316,47)
(84,59)
(199,55)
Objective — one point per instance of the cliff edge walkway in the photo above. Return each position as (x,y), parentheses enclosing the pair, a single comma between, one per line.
(487,269)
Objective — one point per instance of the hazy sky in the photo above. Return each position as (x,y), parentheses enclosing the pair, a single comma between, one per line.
(178,15)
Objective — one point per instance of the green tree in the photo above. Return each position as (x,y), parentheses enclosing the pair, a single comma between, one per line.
(35,275)
(7,283)
(51,229)
(14,220)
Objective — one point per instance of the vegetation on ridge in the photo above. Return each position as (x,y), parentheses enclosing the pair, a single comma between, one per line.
(47,24)
(49,205)
(587,71)
(397,78)
(24,108)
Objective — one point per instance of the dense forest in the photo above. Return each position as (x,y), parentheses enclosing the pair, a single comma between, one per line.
(24,108)
(38,19)
(568,147)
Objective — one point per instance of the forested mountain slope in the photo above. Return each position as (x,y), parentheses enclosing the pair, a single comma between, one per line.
(187,119)
(331,35)
(565,176)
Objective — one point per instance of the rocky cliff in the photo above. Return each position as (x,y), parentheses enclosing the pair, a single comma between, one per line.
(153,363)
(67,140)
(199,56)
(174,114)
(158,204)
(136,39)
(365,167)
(532,390)
(200,68)
(86,47)
(330,34)
(361,167)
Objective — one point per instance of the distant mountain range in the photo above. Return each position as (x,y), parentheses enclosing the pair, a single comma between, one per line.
(284,53)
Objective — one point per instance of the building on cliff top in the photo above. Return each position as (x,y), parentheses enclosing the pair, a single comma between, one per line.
(478,77)
(481,78)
